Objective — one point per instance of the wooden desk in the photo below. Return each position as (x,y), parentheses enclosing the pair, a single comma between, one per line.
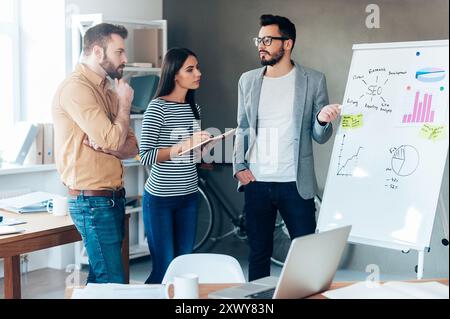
(42,230)
(205,289)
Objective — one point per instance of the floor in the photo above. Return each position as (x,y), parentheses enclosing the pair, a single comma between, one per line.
(50,283)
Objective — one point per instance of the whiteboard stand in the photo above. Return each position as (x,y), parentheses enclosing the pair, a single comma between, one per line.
(420,264)
(444,221)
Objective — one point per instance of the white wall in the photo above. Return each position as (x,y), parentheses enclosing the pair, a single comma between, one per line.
(131,9)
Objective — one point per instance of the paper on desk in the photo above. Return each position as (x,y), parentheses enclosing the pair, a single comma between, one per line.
(119,291)
(7,230)
(11,222)
(391,290)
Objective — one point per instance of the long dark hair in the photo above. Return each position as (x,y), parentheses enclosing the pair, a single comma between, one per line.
(173,61)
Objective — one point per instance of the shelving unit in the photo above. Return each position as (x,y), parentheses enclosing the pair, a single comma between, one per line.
(136,116)
(142,70)
(80,23)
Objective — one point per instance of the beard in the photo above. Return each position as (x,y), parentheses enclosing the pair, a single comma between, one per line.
(276,57)
(110,69)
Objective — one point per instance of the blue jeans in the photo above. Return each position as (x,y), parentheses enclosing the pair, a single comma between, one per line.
(100,221)
(262,200)
(170,226)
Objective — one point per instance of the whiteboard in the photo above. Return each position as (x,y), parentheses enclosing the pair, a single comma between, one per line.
(391,145)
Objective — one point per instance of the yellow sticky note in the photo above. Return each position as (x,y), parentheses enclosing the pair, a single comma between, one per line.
(432,132)
(352,121)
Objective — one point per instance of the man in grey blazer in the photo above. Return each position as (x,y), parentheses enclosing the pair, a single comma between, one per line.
(282,107)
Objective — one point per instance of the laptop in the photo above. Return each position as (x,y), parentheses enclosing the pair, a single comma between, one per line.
(309,268)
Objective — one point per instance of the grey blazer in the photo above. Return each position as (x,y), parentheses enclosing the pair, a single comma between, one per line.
(310,96)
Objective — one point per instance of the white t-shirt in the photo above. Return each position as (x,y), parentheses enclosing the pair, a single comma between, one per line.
(272,157)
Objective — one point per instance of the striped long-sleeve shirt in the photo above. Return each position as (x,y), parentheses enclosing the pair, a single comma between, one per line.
(164,125)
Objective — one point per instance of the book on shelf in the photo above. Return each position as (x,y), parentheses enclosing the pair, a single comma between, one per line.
(36,153)
(49,157)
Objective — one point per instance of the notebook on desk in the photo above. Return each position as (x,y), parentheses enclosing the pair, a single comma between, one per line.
(310,266)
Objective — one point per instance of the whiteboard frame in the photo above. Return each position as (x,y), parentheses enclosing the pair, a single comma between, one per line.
(398,45)
(374,242)
(384,244)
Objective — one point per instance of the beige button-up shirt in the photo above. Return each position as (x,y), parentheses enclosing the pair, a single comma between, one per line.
(84,105)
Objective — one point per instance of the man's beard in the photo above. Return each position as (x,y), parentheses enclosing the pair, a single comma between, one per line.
(275,59)
(111,70)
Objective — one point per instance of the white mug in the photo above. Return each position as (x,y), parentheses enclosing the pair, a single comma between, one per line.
(185,286)
(59,206)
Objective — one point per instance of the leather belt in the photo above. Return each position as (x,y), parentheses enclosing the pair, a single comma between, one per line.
(102,193)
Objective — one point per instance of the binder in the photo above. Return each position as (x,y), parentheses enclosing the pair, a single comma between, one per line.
(20,142)
(48,144)
(36,153)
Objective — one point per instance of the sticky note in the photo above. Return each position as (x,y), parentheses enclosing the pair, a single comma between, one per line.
(432,132)
(352,121)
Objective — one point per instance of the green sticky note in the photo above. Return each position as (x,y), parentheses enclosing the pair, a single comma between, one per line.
(432,132)
(352,121)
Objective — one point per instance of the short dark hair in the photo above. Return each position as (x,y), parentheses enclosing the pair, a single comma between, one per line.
(287,28)
(100,35)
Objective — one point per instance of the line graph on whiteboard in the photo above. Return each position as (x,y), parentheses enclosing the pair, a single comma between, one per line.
(349,166)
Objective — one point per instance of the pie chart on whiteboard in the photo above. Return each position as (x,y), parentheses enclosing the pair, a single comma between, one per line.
(405,160)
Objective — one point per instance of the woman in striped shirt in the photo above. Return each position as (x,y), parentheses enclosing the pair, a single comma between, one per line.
(169,127)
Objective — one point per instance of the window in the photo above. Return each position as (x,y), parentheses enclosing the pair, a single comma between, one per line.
(9,97)
(33,60)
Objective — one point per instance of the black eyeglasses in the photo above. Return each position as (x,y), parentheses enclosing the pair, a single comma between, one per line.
(267,40)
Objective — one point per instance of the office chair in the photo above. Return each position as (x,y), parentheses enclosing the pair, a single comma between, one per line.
(210,268)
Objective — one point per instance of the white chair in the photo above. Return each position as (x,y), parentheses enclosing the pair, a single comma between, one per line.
(210,268)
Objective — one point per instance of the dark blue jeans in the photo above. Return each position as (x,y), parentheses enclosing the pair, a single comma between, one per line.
(170,226)
(262,201)
(100,221)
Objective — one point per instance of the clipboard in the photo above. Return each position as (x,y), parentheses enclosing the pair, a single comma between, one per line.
(209,140)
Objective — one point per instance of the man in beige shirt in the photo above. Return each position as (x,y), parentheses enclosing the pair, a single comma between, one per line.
(92,136)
